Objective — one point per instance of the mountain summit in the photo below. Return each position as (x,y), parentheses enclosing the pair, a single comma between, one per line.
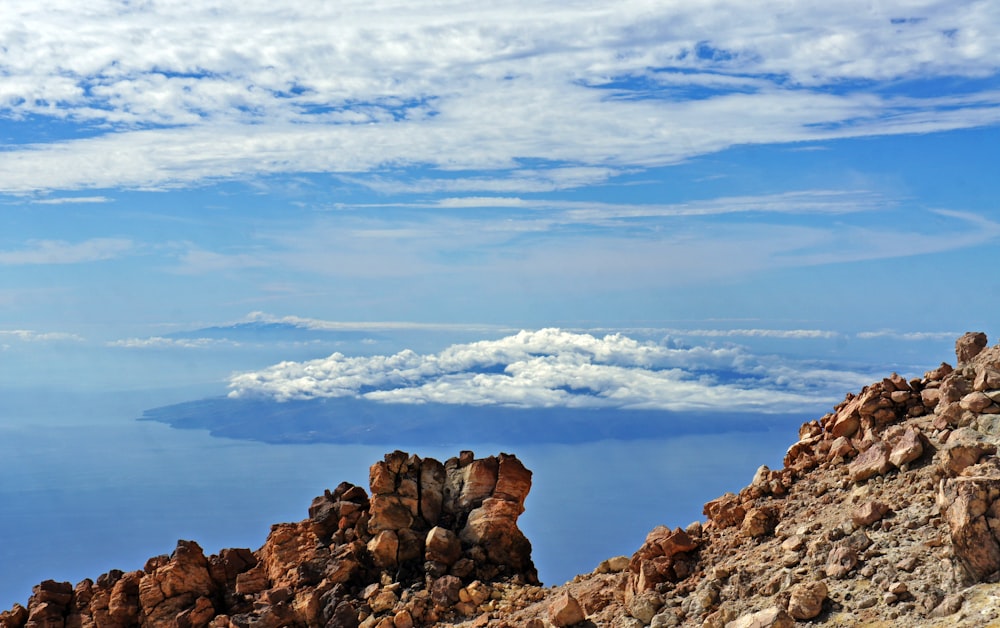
(886,512)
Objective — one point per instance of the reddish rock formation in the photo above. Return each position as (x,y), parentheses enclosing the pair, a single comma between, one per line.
(417,551)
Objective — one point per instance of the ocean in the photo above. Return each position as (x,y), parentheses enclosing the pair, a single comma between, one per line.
(86,488)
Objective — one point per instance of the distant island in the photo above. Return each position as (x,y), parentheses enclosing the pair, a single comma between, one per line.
(348,420)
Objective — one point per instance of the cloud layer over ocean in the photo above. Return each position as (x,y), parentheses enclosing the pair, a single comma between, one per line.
(557,368)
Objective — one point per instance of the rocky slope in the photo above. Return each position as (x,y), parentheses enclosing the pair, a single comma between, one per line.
(886,513)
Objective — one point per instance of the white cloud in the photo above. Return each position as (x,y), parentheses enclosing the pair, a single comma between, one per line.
(27,335)
(635,245)
(552,367)
(68,200)
(756,333)
(60,252)
(909,335)
(160,342)
(546,94)
(325,325)
(794,202)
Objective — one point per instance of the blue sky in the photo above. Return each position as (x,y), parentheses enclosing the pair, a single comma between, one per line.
(470,171)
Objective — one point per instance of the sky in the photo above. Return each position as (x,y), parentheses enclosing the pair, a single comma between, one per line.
(778,175)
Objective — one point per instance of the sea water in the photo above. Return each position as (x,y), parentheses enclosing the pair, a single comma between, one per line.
(85,488)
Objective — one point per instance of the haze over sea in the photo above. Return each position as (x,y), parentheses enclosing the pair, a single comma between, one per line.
(635,243)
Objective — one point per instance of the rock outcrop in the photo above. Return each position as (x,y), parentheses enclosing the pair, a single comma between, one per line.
(886,512)
(432,542)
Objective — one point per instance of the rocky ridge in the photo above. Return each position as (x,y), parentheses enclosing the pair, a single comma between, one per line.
(886,512)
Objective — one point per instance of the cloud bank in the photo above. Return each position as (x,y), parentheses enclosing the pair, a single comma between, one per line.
(557,368)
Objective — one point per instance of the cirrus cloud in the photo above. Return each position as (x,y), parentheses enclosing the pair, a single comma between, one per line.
(61,252)
(172,94)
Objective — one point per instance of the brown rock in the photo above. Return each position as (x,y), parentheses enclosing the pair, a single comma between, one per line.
(445,591)
(389,512)
(759,522)
(197,616)
(842,559)
(670,542)
(432,479)
(45,615)
(939,373)
(806,600)
(725,511)
(930,397)
(953,388)
(987,378)
(868,513)
(384,600)
(971,514)
(229,564)
(645,605)
(846,423)
(947,415)
(513,480)
(841,447)
(287,548)
(402,619)
(173,588)
(969,345)
(383,548)
(896,383)
(873,461)
(907,449)
(494,527)
(442,545)
(964,448)
(948,606)
(252,581)
(381,479)
(123,605)
(479,480)
(975,402)
(660,559)
(773,617)
(15,617)
(564,610)
(52,592)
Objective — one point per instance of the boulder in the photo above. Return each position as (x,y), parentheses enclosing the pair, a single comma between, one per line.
(725,511)
(806,600)
(964,448)
(969,345)
(907,449)
(759,522)
(972,511)
(383,549)
(773,617)
(841,560)
(975,402)
(868,513)
(660,559)
(565,610)
(871,462)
